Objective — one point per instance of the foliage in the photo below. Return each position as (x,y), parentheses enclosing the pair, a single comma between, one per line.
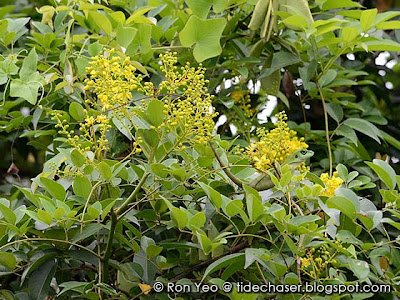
(116,111)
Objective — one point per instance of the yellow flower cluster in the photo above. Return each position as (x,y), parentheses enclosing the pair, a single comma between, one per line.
(331,183)
(87,139)
(187,113)
(274,145)
(112,80)
(317,260)
(188,110)
(242,98)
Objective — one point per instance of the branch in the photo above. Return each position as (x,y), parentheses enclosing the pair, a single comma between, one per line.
(232,177)
(107,253)
(132,196)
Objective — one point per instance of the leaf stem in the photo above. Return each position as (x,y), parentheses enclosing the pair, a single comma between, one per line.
(328,140)
(232,177)
(131,197)
(107,253)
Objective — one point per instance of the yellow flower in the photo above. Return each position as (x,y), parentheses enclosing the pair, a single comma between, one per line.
(243,99)
(274,145)
(112,80)
(89,121)
(331,184)
(188,111)
(305,262)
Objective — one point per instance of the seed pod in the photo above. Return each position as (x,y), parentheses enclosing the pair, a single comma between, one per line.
(259,14)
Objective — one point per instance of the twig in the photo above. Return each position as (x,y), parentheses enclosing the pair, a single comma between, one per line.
(107,253)
(328,141)
(132,196)
(232,177)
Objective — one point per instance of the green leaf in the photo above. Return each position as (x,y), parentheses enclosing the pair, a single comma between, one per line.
(197,221)
(204,241)
(205,35)
(347,237)
(39,281)
(343,172)
(155,112)
(297,21)
(302,8)
(82,186)
(333,4)
(7,67)
(94,49)
(327,78)
(76,111)
(3,27)
(367,18)
(277,211)
(348,132)
(280,60)
(8,214)
(365,127)
(349,194)
(390,139)
(285,179)
(45,217)
(141,40)
(160,170)
(125,35)
(272,83)
(215,197)
(8,260)
(150,136)
(343,204)
(384,171)
(54,188)
(94,210)
(105,170)
(77,158)
(349,34)
(27,90)
(199,8)
(314,178)
(102,21)
(254,204)
(76,286)
(360,268)
(299,223)
(234,207)
(254,254)
(108,208)
(223,262)
(179,217)
(390,25)
(59,213)
(87,231)
(179,174)
(382,45)
(153,251)
(29,66)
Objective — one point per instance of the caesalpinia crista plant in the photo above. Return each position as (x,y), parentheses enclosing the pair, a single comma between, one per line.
(127,209)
